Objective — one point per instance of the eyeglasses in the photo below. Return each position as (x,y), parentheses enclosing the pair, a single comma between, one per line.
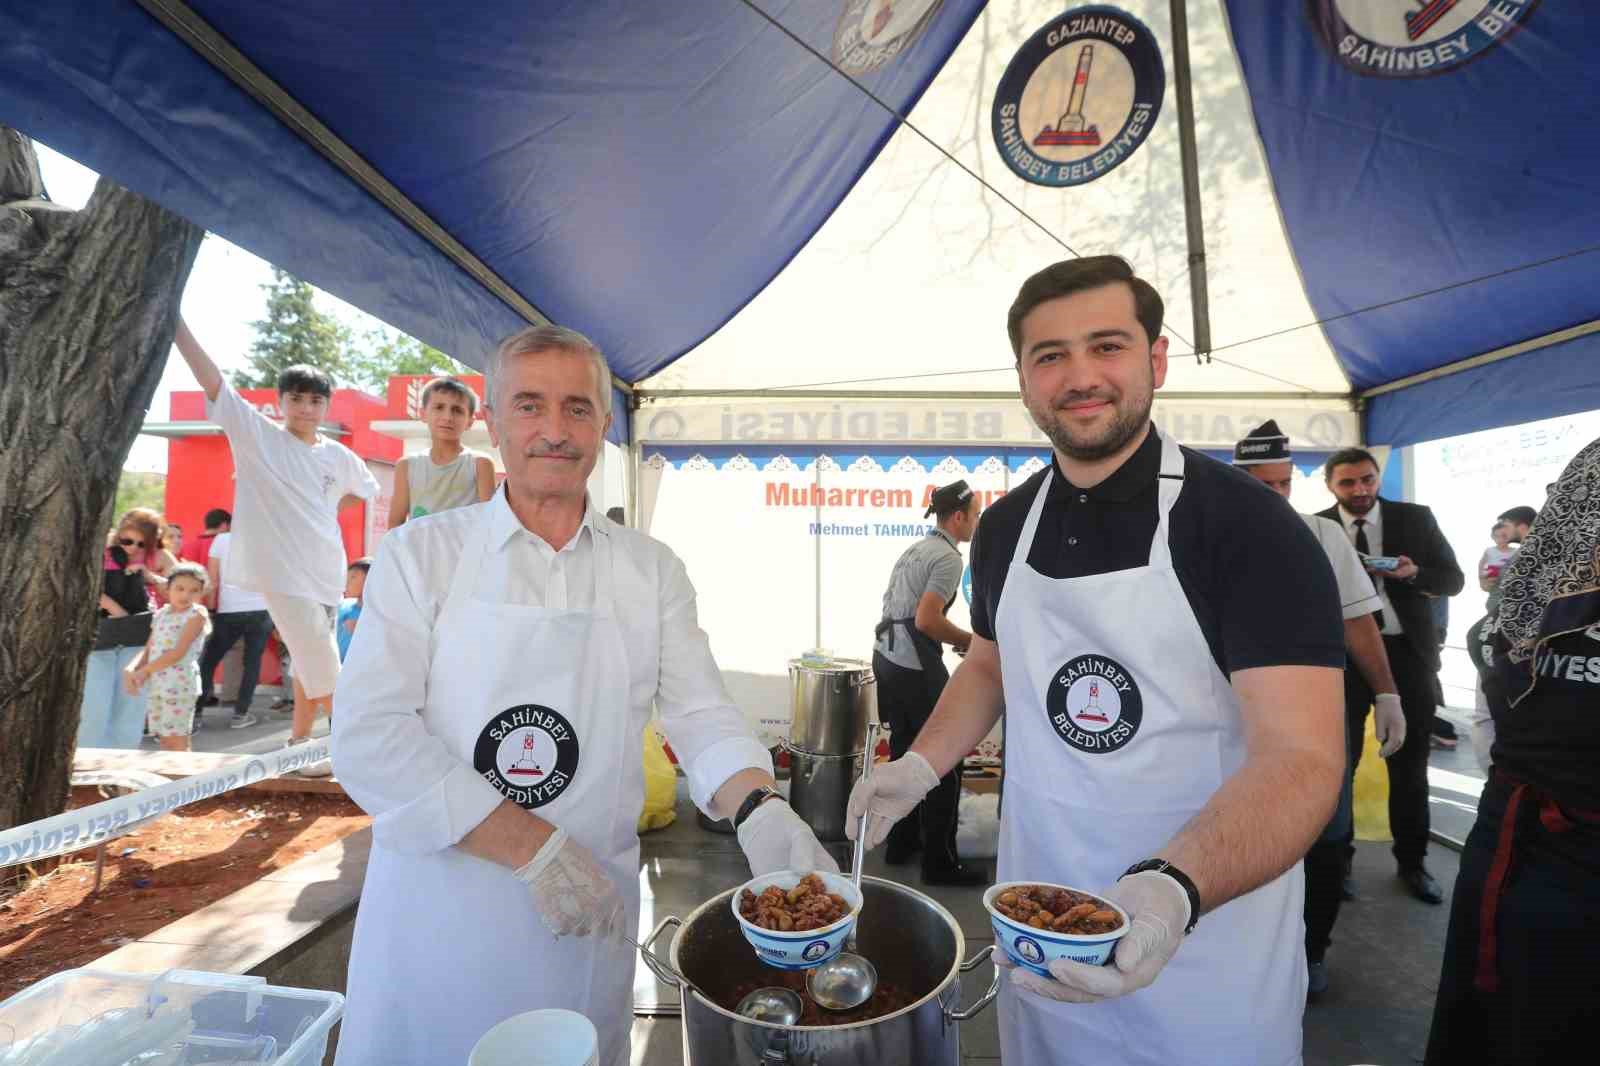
(129,542)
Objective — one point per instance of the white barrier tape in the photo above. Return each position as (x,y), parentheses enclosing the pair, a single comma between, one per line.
(88,826)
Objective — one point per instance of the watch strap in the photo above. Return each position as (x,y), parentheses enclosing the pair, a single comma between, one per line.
(752,801)
(1162,866)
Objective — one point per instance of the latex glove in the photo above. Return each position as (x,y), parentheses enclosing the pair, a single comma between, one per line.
(891,792)
(775,838)
(1389,723)
(1159,909)
(572,893)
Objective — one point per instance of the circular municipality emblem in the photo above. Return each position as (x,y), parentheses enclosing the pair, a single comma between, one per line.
(1029,949)
(1415,38)
(1322,428)
(815,950)
(1094,704)
(873,33)
(966,584)
(665,425)
(1079,97)
(528,752)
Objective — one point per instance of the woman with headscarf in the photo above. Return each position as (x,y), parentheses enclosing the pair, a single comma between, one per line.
(1525,920)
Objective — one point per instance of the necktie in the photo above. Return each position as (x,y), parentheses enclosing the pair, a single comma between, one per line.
(1365,548)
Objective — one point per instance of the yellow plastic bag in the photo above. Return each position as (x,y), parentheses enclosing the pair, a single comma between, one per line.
(1372,789)
(660,784)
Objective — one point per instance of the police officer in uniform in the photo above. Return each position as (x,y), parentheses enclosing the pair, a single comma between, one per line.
(909,664)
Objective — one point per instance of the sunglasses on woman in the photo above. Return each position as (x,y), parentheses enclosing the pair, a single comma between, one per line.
(130,542)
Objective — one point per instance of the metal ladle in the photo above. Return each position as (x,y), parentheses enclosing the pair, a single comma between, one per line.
(848,980)
(770,1004)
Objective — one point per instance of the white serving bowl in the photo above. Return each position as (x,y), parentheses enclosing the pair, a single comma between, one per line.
(1034,949)
(809,947)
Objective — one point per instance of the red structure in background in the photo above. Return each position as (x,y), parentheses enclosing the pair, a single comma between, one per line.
(200,467)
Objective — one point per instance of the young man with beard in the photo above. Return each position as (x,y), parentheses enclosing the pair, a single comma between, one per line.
(1410,562)
(1172,718)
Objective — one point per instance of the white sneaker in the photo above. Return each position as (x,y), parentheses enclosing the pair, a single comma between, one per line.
(243,721)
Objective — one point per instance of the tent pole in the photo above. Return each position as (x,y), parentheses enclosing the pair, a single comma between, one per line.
(1191,182)
(635,520)
(935,395)
(817,503)
(1532,344)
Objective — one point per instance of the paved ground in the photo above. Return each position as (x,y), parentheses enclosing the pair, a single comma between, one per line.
(269,733)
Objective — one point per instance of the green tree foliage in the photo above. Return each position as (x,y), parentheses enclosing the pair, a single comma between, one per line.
(385,354)
(139,489)
(294,331)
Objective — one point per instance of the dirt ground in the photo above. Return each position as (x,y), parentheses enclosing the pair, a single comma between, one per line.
(157,874)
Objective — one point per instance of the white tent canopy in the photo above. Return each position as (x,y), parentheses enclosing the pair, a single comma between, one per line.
(905,288)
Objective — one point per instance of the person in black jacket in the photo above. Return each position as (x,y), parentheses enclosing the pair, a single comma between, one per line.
(1523,930)
(1410,561)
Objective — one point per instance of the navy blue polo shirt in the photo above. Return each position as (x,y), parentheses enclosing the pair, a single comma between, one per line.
(1257,580)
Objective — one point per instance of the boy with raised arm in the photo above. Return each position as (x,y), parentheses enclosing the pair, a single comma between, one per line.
(291,484)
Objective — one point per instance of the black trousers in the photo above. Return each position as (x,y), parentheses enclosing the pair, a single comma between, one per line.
(905,700)
(1408,768)
(1324,869)
(1548,938)
(255,629)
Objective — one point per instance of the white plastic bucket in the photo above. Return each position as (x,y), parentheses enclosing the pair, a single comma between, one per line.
(539,1038)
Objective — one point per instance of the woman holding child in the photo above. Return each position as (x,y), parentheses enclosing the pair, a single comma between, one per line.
(134,562)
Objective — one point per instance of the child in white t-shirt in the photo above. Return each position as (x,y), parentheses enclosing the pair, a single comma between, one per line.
(1496,557)
(290,485)
(168,669)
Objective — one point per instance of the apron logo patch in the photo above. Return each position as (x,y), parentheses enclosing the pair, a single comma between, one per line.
(529,753)
(1094,704)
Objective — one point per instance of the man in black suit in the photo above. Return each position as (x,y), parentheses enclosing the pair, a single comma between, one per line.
(1423,567)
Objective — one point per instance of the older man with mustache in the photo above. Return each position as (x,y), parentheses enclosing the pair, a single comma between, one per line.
(1172,717)
(490,718)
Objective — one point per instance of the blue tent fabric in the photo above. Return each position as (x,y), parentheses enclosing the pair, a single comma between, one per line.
(635,172)
(1391,186)
(1561,379)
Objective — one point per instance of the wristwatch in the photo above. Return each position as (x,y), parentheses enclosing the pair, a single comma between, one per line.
(1162,866)
(752,801)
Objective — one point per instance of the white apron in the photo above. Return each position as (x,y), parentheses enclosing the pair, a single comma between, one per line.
(1119,728)
(447,945)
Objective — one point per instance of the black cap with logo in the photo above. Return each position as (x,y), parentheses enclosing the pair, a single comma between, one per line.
(1265,444)
(947,499)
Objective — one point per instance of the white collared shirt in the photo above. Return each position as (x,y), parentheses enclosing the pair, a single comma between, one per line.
(382,750)
(1374,530)
(1357,598)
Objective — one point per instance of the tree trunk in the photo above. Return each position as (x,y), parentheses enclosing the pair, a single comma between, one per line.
(88,308)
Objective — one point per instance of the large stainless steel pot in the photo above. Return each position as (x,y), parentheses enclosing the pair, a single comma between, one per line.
(915,944)
(819,790)
(832,701)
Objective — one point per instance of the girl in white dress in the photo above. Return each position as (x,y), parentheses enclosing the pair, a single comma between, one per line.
(168,669)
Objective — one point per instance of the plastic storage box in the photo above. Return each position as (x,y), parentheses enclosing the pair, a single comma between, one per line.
(179,1018)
